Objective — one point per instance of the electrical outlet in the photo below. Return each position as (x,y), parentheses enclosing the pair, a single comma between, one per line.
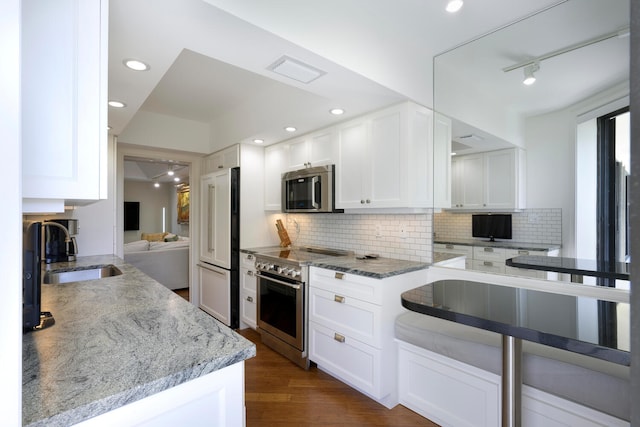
(378,230)
(403,231)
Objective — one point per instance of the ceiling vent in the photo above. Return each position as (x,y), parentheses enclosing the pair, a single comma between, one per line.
(470,137)
(295,70)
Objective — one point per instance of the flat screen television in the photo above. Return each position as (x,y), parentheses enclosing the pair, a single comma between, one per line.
(131,216)
(492,226)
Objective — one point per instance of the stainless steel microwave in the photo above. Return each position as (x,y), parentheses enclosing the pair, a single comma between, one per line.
(310,190)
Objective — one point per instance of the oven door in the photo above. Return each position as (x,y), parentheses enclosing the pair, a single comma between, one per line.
(281,308)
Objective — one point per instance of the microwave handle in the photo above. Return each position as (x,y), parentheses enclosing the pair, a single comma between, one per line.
(314,203)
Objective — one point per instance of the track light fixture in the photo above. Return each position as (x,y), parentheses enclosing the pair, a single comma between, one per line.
(529,77)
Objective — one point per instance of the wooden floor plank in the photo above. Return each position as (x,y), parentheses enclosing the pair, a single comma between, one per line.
(279,393)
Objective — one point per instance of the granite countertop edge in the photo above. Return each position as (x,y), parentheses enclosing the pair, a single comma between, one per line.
(161,375)
(377,268)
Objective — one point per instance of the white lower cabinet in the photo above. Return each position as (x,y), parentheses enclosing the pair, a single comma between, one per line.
(351,321)
(248,286)
(215,295)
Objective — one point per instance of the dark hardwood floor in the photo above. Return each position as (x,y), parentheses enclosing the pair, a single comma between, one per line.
(279,393)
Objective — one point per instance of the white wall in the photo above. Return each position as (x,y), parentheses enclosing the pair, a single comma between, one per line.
(11,217)
(152,201)
(161,131)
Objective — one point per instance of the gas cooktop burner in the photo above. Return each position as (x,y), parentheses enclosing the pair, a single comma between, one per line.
(301,255)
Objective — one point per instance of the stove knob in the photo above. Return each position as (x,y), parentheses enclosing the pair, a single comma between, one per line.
(294,273)
(271,267)
(281,270)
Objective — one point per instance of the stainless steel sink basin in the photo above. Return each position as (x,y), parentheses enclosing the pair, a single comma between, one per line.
(83,273)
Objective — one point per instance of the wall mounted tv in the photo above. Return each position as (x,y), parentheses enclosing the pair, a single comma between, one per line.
(492,226)
(131,216)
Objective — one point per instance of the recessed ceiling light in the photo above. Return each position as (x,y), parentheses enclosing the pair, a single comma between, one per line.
(176,179)
(136,65)
(290,129)
(454,6)
(336,111)
(156,184)
(258,141)
(117,104)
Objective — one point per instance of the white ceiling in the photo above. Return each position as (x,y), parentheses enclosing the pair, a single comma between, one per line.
(208,58)
(152,170)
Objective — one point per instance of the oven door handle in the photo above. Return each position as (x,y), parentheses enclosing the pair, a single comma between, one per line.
(291,285)
(314,181)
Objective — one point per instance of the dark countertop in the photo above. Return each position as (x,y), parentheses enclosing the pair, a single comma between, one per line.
(507,244)
(583,267)
(116,340)
(561,321)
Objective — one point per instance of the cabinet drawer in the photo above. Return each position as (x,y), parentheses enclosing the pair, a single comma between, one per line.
(454,249)
(247,261)
(350,316)
(348,359)
(488,254)
(510,253)
(348,285)
(489,266)
(248,308)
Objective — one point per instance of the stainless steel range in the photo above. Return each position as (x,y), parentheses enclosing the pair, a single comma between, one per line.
(283,280)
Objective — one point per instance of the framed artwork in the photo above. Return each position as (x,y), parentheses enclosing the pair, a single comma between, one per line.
(183,205)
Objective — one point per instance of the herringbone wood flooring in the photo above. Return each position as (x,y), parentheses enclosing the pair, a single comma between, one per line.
(279,393)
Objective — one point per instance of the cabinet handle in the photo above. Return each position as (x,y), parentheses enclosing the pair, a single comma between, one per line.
(249,273)
(250,299)
(338,337)
(249,257)
(220,166)
(449,246)
(338,298)
(488,249)
(339,276)
(368,201)
(362,202)
(488,264)
(523,252)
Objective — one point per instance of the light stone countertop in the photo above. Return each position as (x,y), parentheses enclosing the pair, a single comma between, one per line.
(507,244)
(378,268)
(117,340)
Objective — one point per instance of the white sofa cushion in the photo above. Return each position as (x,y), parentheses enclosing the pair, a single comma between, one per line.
(155,246)
(137,246)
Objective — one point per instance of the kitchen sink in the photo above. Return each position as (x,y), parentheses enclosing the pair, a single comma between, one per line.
(82,273)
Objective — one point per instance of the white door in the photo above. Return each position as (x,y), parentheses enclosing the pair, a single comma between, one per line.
(352,150)
(215,292)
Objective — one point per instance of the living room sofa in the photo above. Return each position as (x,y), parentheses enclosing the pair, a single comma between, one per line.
(165,261)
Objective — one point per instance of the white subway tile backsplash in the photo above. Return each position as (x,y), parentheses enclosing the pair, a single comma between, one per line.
(529,225)
(358,233)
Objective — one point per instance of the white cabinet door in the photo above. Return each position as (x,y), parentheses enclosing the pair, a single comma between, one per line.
(352,151)
(298,154)
(215,202)
(383,174)
(248,302)
(500,179)
(442,191)
(275,162)
(322,147)
(215,292)
(469,174)
(64,109)
(223,159)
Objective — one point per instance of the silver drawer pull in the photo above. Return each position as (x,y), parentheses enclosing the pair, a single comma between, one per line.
(338,337)
(449,246)
(523,252)
(339,276)
(488,263)
(338,298)
(249,273)
(250,299)
(488,249)
(249,257)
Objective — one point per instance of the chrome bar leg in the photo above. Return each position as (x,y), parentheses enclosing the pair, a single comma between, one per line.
(511,381)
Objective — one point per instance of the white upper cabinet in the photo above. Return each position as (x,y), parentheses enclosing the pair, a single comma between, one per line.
(64,106)
(493,180)
(223,159)
(441,161)
(316,149)
(275,162)
(384,159)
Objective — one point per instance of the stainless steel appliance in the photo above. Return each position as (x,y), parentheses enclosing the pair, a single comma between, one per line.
(32,316)
(59,240)
(310,190)
(282,306)
(220,245)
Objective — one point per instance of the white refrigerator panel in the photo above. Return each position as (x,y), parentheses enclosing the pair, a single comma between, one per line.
(215,292)
(215,196)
